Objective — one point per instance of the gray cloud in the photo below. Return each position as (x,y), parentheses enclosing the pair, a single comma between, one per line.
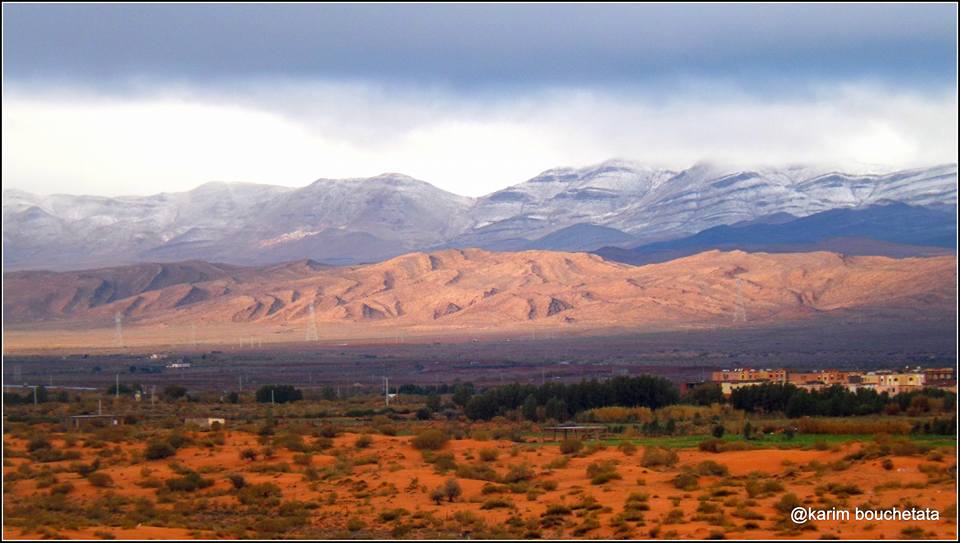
(481,45)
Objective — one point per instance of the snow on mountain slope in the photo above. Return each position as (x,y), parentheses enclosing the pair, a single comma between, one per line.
(362,220)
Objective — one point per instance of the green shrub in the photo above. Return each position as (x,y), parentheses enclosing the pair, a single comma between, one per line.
(263,494)
(363,442)
(100,480)
(658,456)
(602,472)
(430,440)
(497,503)
(38,443)
(157,450)
(518,472)
(686,481)
(570,446)
(788,502)
(481,472)
(237,480)
(188,483)
(489,455)
(709,467)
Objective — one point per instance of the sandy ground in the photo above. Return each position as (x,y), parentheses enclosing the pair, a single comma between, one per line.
(400,465)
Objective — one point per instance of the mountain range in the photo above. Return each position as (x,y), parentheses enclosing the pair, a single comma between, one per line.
(475,290)
(617,204)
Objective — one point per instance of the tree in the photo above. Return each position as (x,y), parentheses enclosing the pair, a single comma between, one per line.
(530,407)
(433,402)
(556,409)
(704,394)
(462,394)
(173,392)
(278,394)
(452,490)
(718,431)
(747,430)
(328,393)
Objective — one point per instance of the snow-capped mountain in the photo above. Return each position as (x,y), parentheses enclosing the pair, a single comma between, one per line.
(362,220)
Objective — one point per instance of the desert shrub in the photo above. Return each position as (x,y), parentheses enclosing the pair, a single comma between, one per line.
(518,472)
(602,472)
(431,440)
(54,455)
(588,525)
(100,479)
(303,459)
(497,503)
(263,494)
(709,467)
(178,439)
(658,456)
(571,446)
(442,462)
(328,431)
(557,510)
(188,483)
(887,464)
(63,488)
(363,442)
(481,472)
(237,480)
(686,481)
(292,442)
(489,455)
(757,488)
(38,443)
(157,450)
(391,515)
(355,524)
(558,463)
(627,448)
(788,502)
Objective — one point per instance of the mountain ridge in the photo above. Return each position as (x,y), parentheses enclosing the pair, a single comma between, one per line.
(369,219)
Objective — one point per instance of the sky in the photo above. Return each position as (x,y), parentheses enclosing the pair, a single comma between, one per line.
(113,99)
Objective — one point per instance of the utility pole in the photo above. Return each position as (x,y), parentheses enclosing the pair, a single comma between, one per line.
(272,400)
(99,406)
(386,390)
(34,395)
(116,388)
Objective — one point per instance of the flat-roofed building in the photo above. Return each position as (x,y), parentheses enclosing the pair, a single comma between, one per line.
(939,377)
(749,374)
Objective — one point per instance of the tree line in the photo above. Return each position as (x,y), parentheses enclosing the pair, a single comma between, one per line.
(559,401)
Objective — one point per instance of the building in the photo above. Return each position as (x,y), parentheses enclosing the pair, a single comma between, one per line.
(895,383)
(939,377)
(748,374)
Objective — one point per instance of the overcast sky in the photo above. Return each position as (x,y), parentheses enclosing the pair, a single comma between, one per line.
(139,99)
